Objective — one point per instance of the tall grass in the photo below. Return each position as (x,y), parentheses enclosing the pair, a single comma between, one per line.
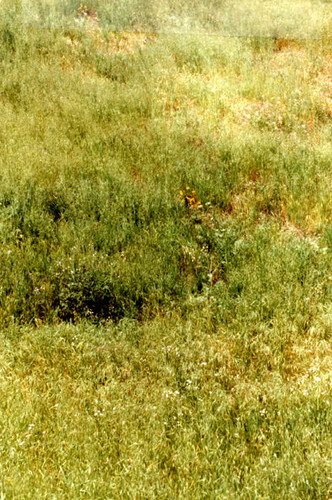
(299,18)
(166,240)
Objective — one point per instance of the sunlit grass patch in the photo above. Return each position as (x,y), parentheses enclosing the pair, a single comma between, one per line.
(135,409)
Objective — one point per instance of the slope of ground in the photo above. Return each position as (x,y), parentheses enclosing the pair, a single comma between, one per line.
(166,241)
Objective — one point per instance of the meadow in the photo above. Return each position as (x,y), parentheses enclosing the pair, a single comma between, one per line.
(166,250)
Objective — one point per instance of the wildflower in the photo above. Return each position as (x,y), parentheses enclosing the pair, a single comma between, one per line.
(190,198)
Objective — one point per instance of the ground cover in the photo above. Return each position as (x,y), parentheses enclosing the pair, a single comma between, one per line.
(166,240)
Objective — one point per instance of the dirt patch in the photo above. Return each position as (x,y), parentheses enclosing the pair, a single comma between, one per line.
(282,44)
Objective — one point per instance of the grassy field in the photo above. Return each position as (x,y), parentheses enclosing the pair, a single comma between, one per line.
(166,250)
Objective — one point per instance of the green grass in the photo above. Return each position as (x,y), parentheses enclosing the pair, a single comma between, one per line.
(166,241)
(176,408)
(299,18)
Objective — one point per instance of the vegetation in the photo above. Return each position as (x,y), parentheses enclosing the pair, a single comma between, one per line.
(166,241)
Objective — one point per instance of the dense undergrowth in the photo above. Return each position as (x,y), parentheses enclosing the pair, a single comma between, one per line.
(166,241)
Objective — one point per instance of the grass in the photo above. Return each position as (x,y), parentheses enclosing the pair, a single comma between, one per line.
(171,409)
(166,240)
